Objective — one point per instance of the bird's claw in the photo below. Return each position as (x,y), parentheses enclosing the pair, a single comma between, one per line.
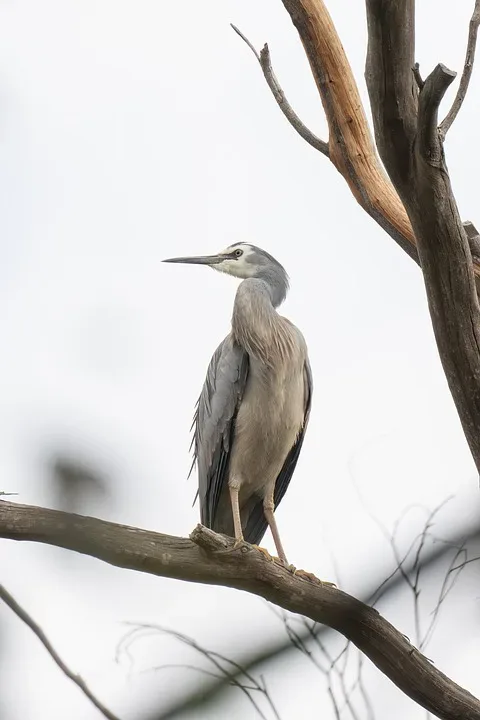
(310,577)
(269,557)
(239,544)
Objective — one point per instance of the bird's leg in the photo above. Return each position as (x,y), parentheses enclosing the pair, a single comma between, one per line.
(268,509)
(237,522)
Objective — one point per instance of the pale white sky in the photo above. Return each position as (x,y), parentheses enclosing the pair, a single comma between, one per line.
(130,132)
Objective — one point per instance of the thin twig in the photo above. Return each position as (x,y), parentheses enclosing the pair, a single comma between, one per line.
(77,679)
(216,659)
(265,63)
(466,74)
(418,78)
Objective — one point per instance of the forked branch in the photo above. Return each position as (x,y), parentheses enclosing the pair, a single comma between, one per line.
(210,558)
(351,148)
(411,148)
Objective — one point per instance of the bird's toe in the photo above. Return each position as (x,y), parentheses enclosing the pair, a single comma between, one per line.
(269,557)
(310,577)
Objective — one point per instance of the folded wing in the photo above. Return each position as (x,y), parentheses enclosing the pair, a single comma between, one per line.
(214,423)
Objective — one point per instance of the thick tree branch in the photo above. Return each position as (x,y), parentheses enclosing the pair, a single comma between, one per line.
(411,148)
(446,262)
(247,569)
(421,556)
(391,58)
(77,679)
(282,102)
(466,74)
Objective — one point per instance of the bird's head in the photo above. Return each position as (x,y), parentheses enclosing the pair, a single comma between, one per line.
(243,260)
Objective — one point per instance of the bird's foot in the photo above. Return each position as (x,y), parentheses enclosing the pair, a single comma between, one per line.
(239,544)
(269,557)
(310,577)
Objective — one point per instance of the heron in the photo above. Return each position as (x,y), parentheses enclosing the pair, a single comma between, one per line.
(252,414)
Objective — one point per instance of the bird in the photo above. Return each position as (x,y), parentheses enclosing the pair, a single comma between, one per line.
(251,417)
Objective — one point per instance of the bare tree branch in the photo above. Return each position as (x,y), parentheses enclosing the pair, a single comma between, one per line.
(406,564)
(466,74)
(418,77)
(411,148)
(473,238)
(390,59)
(277,92)
(351,147)
(434,89)
(210,558)
(77,679)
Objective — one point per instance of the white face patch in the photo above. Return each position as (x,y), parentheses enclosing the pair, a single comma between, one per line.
(237,266)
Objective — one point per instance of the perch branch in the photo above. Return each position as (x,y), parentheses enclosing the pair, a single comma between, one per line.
(466,74)
(37,630)
(210,558)
(265,63)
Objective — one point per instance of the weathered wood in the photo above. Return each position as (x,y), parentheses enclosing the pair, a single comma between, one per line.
(351,146)
(210,558)
(411,147)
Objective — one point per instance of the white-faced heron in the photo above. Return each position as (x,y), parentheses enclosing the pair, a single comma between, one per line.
(251,417)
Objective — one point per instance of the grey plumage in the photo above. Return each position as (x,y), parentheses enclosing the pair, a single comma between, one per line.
(253,411)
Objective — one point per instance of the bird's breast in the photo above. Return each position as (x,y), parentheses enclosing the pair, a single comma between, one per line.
(268,422)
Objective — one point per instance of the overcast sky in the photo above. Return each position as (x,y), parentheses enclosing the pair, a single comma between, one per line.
(134,131)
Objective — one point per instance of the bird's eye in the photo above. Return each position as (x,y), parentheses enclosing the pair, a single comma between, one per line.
(238,253)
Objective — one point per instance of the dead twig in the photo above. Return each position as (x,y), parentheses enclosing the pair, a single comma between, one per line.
(223,666)
(265,63)
(466,74)
(418,77)
(77,679)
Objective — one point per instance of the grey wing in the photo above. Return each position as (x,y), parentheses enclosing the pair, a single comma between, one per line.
(214,419)
(256,524)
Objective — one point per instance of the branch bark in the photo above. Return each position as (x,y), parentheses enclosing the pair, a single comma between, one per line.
(410,144)
(209,558)
(351,147)
(205,691)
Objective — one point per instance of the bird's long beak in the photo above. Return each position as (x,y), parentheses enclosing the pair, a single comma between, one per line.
(199,260)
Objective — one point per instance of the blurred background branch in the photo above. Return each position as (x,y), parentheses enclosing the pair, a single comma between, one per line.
(22,614)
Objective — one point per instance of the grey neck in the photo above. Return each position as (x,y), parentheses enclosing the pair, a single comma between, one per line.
(276,280)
